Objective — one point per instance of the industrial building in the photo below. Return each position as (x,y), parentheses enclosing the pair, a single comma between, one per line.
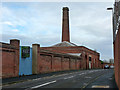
(23,60)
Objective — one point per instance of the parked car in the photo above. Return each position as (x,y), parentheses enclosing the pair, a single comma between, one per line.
(111,67)
(106,67)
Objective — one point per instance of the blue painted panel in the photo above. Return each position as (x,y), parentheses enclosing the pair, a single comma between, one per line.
(25,64)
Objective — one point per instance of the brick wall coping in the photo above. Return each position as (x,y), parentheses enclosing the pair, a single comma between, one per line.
(6,45)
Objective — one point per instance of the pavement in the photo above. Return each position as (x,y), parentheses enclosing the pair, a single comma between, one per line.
(99,78)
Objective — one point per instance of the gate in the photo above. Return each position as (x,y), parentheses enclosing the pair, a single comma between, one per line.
(25,60)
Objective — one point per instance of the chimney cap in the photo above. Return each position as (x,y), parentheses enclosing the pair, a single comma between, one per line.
(66,8)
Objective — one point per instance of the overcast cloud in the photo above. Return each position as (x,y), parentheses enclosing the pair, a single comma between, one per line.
(90,24)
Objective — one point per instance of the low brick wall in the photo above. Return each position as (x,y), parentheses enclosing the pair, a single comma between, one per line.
(44,61)
(10,59)
(117,58)
(47,61)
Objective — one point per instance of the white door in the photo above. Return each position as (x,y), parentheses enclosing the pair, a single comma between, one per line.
(89,64)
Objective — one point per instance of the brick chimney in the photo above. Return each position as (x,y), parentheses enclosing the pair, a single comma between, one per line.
(65,25)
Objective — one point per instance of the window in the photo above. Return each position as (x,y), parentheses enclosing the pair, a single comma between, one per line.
(89,58)
(85,56)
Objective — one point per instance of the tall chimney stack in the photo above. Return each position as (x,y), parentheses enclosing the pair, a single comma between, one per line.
(65,25)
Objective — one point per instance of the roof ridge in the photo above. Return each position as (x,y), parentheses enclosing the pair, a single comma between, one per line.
(64,44)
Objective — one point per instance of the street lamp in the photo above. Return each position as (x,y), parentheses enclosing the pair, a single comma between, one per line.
(110,8)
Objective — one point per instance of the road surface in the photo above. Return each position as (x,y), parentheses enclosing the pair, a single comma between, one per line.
(78,79)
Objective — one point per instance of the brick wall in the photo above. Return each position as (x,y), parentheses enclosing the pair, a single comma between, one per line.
(10,59)
(73,64)
(84,62)
(47,61)
(85,55)
(117,58)
(44,61)
(57,63)
(78,64)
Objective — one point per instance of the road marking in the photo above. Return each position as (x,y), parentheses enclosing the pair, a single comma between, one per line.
(92,81)
(88,77)
(96,86)
(43,84)
(81,73)
(110,78)
(85,83)
(69,77)
(91,71)
(37,79)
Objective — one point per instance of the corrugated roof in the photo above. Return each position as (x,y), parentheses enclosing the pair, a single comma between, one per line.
(64,44)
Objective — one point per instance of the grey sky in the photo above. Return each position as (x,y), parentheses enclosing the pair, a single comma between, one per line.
(38,22)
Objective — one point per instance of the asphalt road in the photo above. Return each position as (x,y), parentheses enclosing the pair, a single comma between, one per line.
(78,79)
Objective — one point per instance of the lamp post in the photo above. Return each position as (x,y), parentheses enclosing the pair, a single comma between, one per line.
(110,8)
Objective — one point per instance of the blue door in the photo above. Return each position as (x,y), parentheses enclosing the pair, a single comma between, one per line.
(25,60)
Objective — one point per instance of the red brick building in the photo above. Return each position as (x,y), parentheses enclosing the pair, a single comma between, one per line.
(45,61)
(116,40)
(90,58)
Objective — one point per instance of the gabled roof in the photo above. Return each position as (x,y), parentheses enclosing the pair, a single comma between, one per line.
(64,44)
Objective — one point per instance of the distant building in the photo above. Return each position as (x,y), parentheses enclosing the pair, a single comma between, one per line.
(111,60)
